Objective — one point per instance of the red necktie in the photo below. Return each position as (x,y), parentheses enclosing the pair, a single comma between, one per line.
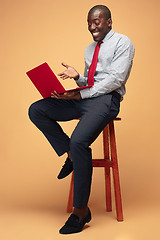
(93,65)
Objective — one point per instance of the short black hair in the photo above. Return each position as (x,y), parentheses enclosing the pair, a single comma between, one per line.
(105,10)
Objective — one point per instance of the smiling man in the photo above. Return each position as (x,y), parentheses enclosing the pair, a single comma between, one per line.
(108,61)
(99,22)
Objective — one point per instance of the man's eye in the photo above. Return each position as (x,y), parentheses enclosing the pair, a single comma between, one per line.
(96,23)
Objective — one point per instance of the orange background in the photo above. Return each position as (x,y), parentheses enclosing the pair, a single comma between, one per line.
(35,31)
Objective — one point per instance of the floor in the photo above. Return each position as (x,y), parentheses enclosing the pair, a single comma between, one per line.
(21,223)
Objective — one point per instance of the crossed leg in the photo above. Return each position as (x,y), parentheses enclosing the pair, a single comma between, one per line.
(95,114)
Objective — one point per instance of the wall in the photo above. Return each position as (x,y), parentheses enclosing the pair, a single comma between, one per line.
(54,31)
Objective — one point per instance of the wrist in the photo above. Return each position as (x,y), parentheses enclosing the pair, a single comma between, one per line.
(76,77)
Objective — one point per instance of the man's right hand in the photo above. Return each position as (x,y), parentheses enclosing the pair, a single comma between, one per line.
(70,72)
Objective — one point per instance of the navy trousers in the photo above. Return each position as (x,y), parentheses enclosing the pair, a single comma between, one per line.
(94,113)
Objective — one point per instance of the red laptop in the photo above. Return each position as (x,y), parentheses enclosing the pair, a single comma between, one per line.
(46,81)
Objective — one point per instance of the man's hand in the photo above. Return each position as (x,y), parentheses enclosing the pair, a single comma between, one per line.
(67,95)
(70,72)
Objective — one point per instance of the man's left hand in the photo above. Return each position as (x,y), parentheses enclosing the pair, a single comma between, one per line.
(67,95)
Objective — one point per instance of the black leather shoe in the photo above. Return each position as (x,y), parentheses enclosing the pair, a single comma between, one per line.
(73,225)
(66,169)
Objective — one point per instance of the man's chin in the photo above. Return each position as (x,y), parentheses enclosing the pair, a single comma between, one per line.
(97,39)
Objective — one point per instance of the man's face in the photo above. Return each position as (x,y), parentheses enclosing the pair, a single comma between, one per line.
(98,25)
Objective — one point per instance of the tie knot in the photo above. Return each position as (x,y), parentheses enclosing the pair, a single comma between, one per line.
(99,43)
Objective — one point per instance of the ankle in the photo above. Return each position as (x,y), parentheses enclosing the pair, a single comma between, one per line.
(69,155)
(81,212)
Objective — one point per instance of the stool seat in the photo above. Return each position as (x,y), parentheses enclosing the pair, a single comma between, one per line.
(109,161)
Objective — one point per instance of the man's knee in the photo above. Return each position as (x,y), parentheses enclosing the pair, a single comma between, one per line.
(77,141)
(33,111)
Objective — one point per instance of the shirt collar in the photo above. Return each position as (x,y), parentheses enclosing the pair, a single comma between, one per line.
(108,35)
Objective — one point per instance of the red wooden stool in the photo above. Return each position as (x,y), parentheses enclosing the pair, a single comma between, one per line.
(109,161)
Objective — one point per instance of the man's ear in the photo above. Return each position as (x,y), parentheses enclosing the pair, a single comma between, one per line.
(109,22)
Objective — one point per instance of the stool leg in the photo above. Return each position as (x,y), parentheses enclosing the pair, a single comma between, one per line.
(108,189)
(70,199)
(115,173)
(107,170)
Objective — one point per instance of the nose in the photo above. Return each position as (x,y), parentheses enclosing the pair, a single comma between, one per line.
(92,27)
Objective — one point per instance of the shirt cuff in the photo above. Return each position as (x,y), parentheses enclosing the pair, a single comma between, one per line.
(80,77)
(81,81)
(85,93)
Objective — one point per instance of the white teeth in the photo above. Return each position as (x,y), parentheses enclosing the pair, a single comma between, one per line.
(95,34)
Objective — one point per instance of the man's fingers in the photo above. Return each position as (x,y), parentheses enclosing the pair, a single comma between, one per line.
(64,76)
(66,95)
(65,65)
(55,94)
(60,74)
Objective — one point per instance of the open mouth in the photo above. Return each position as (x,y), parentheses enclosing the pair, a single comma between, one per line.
(95,34)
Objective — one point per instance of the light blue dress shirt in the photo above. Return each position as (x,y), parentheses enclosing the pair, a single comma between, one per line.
(113,67)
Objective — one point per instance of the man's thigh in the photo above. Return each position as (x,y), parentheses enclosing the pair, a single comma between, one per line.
(96,113)
(56,109)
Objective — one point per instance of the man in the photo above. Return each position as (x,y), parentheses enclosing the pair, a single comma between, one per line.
(95,106)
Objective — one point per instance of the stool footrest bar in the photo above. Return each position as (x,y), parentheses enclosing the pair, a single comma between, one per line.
(102,163)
